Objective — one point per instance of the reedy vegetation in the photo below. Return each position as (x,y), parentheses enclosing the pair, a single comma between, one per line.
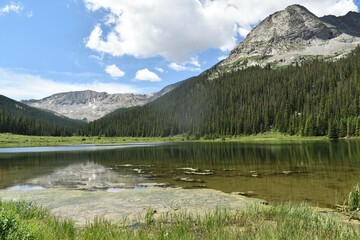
(20,220)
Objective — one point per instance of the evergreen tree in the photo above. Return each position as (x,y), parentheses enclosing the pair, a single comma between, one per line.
(319,98)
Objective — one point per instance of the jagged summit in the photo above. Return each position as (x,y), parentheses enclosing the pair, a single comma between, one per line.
(349,24)
(91,105)
(290,26)
(294,35)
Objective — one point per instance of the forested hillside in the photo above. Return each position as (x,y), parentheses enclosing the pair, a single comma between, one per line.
(316,99)
(19,118)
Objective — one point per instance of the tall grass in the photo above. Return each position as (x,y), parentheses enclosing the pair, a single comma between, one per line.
(354,198)
(287,221)
(22,220)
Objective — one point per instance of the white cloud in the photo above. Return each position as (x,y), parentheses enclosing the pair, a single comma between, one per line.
(30,14)
(243,31)
(222,57)
(183,67)
(179,29)
(114,71)
(146,75)
(177,67)
(194,61)
(159,69)
(11,7)
(110,19)
(192,65)
(29,86)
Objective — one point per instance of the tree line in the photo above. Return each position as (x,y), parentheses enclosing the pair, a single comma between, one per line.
(19,118)
(318,98)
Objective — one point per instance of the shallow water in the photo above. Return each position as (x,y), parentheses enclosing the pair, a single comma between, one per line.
(321,173)
(85,147)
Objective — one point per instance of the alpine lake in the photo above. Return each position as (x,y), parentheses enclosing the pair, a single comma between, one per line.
(321,173)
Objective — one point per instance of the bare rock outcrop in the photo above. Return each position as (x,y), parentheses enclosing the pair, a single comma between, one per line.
(90,105)
(292,36)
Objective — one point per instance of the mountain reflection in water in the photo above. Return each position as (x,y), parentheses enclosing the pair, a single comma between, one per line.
(320,172)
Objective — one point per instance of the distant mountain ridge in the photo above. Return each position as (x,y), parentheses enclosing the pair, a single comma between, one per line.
(19,118)
(91,105)
(349,23)
(294,35)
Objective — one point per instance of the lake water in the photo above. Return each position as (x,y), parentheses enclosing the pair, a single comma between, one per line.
(321,173)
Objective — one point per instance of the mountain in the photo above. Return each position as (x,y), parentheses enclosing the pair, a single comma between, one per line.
(318,98)
(19,118)
(248,93)
(294,35)
(349,24)
(90,105)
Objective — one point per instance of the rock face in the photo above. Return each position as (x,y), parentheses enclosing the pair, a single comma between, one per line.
(349,24)
(90,105)
(295,35)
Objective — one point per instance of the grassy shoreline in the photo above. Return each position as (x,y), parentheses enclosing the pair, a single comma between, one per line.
(12,140)
(21,220)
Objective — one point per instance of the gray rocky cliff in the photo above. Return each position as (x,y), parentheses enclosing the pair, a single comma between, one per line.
(90,105)
(294,35)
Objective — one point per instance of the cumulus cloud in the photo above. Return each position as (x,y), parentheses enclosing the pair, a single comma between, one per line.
(29,86)
(173,29)
(179,29)
(12,7)
(114,71)
(147,75)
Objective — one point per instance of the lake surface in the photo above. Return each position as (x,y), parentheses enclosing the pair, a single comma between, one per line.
(321,173)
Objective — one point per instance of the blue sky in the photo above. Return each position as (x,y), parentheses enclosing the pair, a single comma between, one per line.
(117,46)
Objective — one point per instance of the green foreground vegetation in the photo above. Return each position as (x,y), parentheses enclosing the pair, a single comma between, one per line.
(21,220)
(13,140)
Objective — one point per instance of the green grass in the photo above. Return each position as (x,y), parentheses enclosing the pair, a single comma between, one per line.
(270,137)
(20,220)
(354,199)
(12,140)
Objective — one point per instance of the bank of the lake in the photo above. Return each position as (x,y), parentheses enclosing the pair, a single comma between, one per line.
(12,140)
(204,214)
(130,204)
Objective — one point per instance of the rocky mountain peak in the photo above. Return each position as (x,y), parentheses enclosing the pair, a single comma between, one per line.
(293,25)
(91,105)
(294,35)
(349,24)
(76,96)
